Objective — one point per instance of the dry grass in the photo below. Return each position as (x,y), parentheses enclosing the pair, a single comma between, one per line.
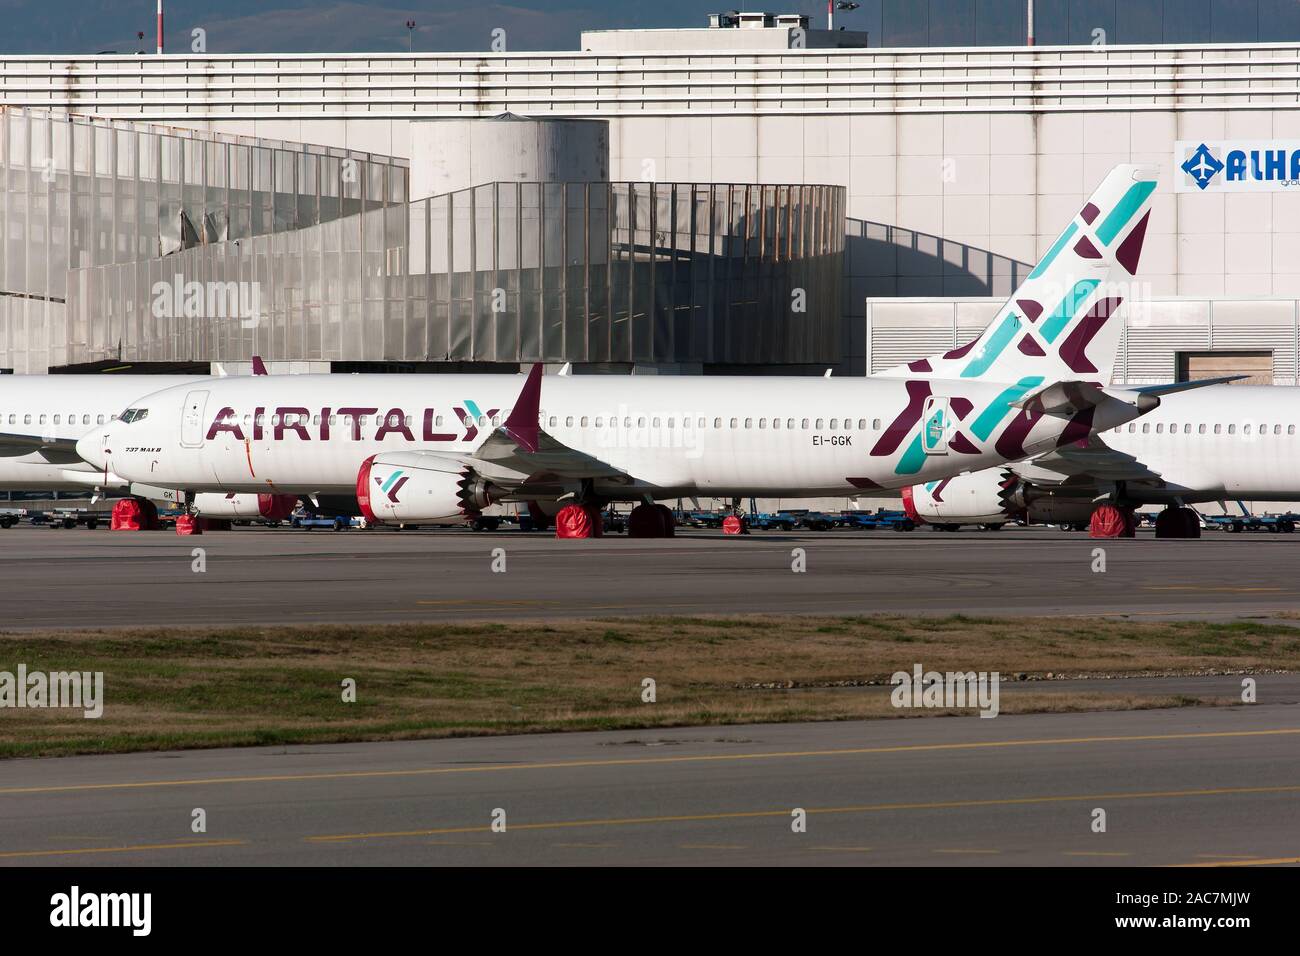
(248,685)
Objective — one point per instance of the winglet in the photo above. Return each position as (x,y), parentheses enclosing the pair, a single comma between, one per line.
(259,367)
(522,426)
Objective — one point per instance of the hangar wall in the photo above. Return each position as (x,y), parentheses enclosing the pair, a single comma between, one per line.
(960,164)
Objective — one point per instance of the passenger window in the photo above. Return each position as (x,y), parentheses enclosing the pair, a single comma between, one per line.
(862,424)
(749,423)
(599,421)
(1218,429)
(583,421)
(27,419)
(776,423)
(640,422)
(99,420)
(1277,429)
(1232,429)
(834,422)
(670,422)
(1290,429)
(1187,428)
(568,421)
(42,420)
(1131,428)
(804,425)
(762,423)
(821,424)
(1160,428)
(437,420)
(1245,429)
(1146,428)
(700,423)
(875,424)
(554,421)
(789,423)
(654,423)
(56,419)
(1200,429)
(717,423)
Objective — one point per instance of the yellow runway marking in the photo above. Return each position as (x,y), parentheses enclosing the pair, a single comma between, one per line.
(586,846)
(985,852)
(753,814)
(710,846)
(16,854)
(1194,587)
(1278,861)
(842,849)
(648,761)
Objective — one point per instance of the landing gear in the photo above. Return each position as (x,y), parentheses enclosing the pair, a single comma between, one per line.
(1112,521)
(1176,522)
(134,514)
(651,521)
(579,521)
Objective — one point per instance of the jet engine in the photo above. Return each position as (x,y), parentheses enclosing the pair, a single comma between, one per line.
(420,489)
(266,507)
(994,496)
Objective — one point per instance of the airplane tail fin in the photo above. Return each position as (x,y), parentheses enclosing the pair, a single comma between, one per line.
(1058,325)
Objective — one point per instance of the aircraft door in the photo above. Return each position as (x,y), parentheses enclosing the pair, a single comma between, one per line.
(192,418)
(934,425)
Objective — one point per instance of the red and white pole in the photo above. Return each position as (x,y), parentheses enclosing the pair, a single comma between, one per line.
(1030,39)
(160,28)
(830,14)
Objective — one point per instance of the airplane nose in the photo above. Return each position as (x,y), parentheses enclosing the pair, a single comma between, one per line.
(94,448)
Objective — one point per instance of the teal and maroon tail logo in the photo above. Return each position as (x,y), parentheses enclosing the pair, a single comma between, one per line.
(392,485)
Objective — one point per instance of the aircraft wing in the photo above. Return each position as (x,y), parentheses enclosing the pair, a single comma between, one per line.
(521,446)
(1090,458)
(57,451)
(550,458)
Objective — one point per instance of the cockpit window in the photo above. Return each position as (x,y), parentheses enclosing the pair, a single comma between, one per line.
(135,415)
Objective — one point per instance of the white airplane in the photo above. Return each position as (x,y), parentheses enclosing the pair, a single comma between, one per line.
(438,448)
(1235,442)
(43,416)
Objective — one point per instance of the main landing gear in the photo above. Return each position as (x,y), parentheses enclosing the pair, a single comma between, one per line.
(1176,522)
(1119,521)
(647,520)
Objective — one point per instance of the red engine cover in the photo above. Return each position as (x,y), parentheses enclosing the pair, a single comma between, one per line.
(276,507)
(363,490)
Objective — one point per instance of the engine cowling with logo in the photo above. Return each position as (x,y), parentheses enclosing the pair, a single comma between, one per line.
(266,507)
(995,496)
(413,488)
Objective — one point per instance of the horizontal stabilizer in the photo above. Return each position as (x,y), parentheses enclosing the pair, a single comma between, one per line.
(1172,387)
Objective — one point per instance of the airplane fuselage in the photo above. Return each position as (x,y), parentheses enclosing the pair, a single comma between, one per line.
(715,435)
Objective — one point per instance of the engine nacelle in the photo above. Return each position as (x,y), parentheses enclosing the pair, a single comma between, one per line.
(420,489)
(266,507)
(978,498)
(993,496)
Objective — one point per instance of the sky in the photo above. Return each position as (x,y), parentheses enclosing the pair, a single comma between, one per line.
(342,26)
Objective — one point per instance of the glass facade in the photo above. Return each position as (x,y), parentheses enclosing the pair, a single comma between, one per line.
(503,272)
(79,194)
(934,23)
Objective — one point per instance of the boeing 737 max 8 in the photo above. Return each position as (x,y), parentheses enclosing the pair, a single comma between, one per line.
(439,447)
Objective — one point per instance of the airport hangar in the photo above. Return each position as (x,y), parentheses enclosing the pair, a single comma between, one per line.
(754,195)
